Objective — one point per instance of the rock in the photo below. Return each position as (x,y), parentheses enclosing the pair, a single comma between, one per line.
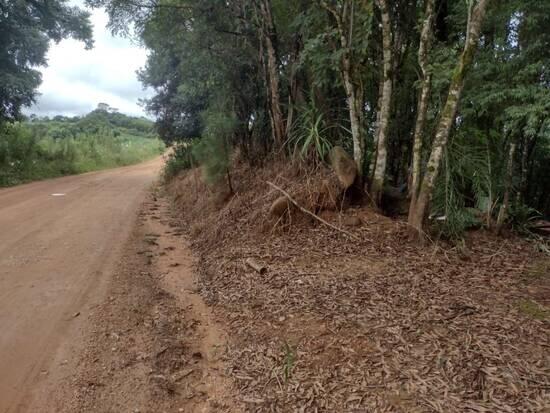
(280,206)
(344,166)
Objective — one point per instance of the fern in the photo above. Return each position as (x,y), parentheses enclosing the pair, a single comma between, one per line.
(465,193)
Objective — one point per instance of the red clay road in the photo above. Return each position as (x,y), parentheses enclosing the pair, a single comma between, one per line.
(56,254)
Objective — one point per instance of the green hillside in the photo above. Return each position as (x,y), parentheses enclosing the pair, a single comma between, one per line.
(39,148)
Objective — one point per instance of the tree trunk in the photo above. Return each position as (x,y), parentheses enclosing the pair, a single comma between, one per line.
(344,22)
(377,185)
(503,212)
(423,100)
(354,115)
(372,165)
(269,38)
(527,147)
(418,212)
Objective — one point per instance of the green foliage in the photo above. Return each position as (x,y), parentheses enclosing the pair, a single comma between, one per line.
(522,216)
(213,150)
(26,28)
(180,159)
(208,65)
(464,195)
(310,135)
(26,154)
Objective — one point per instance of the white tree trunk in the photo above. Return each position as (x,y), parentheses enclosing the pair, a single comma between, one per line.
(372,165)
(344,22)
(423,100)
(418,213)
(377,185)
(355,116)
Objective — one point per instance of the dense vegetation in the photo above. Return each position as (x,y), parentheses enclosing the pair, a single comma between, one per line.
(44,148)
(446,100)
(41,148)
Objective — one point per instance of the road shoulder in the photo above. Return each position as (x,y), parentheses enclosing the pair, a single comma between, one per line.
(152,345)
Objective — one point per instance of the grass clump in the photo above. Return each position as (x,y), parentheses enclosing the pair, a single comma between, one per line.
(539,270)
(289,358)
(533,309)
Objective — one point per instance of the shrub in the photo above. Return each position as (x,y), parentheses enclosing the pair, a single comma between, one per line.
(214,149)
(181,158)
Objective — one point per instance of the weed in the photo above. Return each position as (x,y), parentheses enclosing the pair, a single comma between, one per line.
(288,361)
(533,309)
(538,270)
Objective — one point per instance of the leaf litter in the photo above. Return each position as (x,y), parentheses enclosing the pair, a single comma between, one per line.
(374,324)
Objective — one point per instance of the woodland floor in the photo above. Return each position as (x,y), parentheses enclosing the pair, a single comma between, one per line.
(372,324)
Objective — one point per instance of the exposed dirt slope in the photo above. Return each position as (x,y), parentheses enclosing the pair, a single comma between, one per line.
(380,324)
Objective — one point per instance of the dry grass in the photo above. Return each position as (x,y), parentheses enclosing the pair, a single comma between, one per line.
(380,324)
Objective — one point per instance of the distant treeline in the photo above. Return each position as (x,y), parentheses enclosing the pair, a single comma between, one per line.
(39,148)
(97,121)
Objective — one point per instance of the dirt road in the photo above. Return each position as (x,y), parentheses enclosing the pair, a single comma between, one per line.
(59,242)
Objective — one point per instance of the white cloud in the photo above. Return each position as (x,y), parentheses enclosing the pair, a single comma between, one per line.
(76,80)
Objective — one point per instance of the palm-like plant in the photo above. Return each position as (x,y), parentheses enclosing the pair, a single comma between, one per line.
(309,135)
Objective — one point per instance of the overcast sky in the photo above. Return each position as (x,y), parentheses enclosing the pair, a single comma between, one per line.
(76,80)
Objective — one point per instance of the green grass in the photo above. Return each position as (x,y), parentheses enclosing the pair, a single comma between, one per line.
(538,270)
(533,309)
(26,157)
(288,361)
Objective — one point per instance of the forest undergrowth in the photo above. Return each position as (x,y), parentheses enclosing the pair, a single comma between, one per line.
(371,320)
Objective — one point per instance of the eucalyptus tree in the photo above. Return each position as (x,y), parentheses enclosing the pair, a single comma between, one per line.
(423,99)
(418,211)
(267,34)
(381,155)
(350,27)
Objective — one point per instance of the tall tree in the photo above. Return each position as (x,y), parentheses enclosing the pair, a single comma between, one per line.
(268,37)
(379,173)
(476,14)
(26,28)
(423,100)
(344,13)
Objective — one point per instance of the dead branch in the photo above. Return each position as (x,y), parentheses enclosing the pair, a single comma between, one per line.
(305,211)
(256,266)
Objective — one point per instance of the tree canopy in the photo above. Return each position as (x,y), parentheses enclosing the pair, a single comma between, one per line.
(449,99)
(26,29)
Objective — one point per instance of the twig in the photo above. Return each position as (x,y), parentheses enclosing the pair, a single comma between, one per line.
(256,266)
(305,211)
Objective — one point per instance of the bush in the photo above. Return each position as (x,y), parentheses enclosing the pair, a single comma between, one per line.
(180,159)
(522,217)
(309,135)
(213,150)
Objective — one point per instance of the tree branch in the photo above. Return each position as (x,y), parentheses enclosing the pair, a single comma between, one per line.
(311,214)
